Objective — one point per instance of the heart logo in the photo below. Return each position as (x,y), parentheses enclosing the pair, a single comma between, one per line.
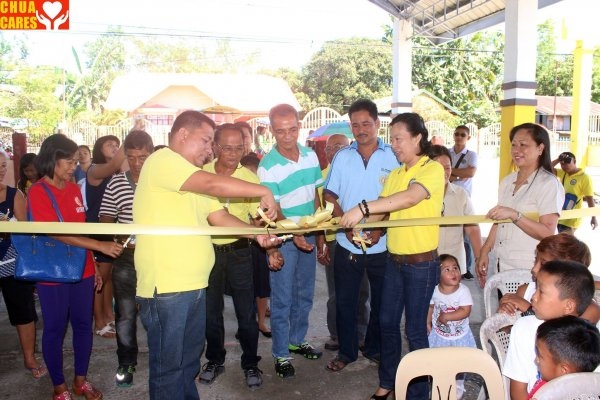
(52,9)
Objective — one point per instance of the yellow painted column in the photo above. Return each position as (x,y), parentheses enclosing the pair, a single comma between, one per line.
(518,105)
(512,115)
(582,93)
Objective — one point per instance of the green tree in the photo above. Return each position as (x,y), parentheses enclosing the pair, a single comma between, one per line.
(37,100)
(553,72)
(105,60)
(346,70)
(466,73)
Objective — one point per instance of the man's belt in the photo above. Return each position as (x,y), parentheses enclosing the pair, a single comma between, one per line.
(414,258)
(237,245)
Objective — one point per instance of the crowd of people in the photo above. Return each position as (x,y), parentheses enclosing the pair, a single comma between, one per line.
(208,175)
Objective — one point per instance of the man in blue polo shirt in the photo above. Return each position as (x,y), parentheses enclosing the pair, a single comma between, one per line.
(358,173)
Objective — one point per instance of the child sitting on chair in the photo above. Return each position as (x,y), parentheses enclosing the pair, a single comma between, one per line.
(556,247)
(563,288)
(563,346)
(449,310)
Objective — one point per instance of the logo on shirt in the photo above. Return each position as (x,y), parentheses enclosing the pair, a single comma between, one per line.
(573,182)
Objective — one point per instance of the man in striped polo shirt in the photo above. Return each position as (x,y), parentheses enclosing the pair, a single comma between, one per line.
(116,206)
(292,173)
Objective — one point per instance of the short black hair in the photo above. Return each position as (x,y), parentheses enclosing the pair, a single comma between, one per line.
(437,150)
(250,160)
(138,140)
(445,257)
(364,105)
(573,340)
(573,281)
(26,160)
(466,128)
(97,156)
(229,127)
(189,120)
(54,147)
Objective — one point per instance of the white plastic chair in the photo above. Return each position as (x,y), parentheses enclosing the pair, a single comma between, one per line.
(578,386)
(442,364)
(505,281)
(492,335)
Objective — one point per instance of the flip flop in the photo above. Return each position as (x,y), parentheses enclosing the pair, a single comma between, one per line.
(38,372)
(335,365)
(107,332)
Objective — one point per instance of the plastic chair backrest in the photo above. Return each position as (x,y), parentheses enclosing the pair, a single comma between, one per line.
(491,334)
(442,364)
(581,385)
(505,281)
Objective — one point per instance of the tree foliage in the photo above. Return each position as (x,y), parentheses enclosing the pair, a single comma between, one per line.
(554,72)
(346,70)
(466,73)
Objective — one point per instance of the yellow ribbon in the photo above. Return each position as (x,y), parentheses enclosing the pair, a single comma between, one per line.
(78,228)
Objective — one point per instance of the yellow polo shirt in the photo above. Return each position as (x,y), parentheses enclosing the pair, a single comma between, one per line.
(238,207)
(170,263)
(416,239)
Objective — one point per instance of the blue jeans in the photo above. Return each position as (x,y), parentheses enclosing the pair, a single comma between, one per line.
(234,268)
(363,299)
(405,287)
(349,271)
(124,282)
(292,291)
(175,323)
(469,253)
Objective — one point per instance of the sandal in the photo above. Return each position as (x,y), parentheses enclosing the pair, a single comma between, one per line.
(38,371)
(86,389)
(107,332)
(336,365)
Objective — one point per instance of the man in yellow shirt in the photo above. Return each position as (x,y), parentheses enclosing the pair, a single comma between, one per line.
(578,188)
(173,271)
(233,268)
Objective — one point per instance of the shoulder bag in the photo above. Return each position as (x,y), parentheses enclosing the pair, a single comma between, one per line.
(45,259)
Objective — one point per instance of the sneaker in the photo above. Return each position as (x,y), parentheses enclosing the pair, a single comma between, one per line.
(332,345)
(253,377)
(209,372)
(124,376)
(468,276)
(284,368)
(305,350)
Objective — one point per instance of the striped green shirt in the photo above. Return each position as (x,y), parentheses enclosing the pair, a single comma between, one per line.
(293,183)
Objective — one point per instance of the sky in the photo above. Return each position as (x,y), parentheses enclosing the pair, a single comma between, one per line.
(283,33)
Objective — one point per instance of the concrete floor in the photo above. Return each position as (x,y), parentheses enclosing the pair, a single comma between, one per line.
(312,381)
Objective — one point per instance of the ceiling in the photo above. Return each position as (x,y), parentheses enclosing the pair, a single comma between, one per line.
(444,20)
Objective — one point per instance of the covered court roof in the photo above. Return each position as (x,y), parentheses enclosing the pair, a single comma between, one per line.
(443,20)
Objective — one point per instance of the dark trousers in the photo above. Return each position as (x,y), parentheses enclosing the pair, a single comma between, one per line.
(235,269)
(349,270)
(126,309)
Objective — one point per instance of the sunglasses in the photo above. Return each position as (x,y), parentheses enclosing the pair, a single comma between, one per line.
(460,134)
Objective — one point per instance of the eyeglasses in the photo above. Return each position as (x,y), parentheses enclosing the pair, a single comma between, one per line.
(334,148)
(460,134)
(231,149)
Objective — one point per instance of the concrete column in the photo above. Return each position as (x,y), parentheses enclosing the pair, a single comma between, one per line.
(582,94)
(402,66)
(520,54)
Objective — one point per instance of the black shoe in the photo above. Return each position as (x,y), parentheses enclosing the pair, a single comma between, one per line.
(374,357)
(468,276)
(209,372)
(124,376)
(253,377)
(265,333)
(284,368)
(305,350)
